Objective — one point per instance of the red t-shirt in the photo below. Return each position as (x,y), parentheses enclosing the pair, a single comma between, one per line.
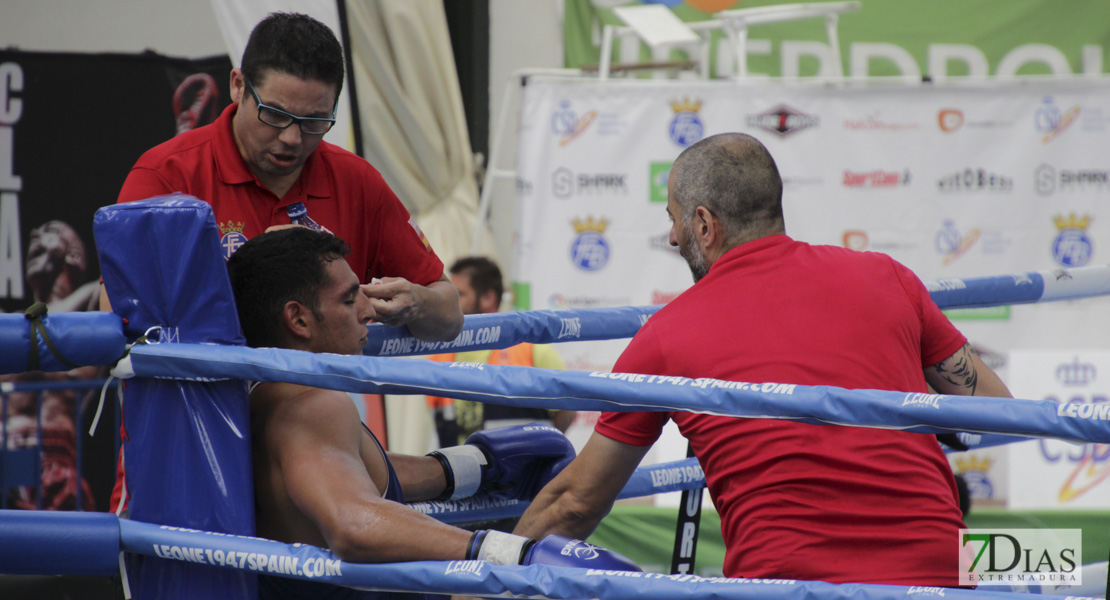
(340,190)
(799,501)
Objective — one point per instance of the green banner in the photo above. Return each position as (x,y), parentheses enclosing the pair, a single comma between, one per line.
(887,38)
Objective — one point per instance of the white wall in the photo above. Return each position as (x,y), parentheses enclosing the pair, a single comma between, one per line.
(182,28)
(523,34)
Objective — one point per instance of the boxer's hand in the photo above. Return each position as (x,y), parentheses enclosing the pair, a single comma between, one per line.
(555,550)
(522,458)
(510,462)
(559,551)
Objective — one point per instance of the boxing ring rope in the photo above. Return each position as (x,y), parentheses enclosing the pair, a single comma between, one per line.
(623,392)
(32,538)
(645,481)
(600,391)
(93,540)
(501,330)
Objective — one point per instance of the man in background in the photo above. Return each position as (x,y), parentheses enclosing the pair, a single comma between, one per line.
(480,286)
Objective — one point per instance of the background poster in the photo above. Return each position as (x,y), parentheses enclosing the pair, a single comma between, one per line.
(1051,474)
(884,38)
(111,108)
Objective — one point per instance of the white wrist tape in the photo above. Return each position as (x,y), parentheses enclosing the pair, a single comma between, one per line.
(466,464)
(500,548)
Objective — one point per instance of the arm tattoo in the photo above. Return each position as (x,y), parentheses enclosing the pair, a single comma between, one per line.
(959,370)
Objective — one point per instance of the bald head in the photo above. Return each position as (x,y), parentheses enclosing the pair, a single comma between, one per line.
(733,176)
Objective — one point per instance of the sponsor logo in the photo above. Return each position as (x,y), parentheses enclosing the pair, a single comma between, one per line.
(663,242)
(1076,373)
(975,180)
(1044,179)
(856,240)
(1021,556)
(783,120)
(922,400)
(523,187)
(951,244)
(580,550)
(951,120)
(1094,120)
(658,172)
(874,122)
(209,553)
(1052,121)
(558,301)
(1090,462)
(991,358)
(568,124)
(985,313)
(1091,469)
(859,240)
(468,337)
(946,285)
(522,295)
(976,472)
(686,126)
(1091,411)
(1072,246)
(658,297)
(160,334)
(231,237)
(564,183)
(669,476)
(1048,180)
(570,328)
(876,179)
(789,181)
(465,567)
(590,249)
(918,590)
(468,366)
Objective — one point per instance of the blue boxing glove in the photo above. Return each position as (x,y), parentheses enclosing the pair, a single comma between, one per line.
(511,462)
(555,550)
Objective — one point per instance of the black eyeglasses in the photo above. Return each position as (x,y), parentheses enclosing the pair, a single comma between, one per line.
(280,119)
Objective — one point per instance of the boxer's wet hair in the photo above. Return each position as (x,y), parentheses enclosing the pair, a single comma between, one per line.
(273,268)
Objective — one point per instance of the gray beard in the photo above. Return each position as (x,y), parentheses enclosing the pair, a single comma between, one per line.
(699,265)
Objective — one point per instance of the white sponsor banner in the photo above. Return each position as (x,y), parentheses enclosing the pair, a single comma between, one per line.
(952,180)
(1049,473)
(987,474)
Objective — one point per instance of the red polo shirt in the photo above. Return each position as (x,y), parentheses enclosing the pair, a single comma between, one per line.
(800,501)
(340,189)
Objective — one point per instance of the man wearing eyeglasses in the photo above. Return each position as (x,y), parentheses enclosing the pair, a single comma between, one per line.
(264,164)
(264,161)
